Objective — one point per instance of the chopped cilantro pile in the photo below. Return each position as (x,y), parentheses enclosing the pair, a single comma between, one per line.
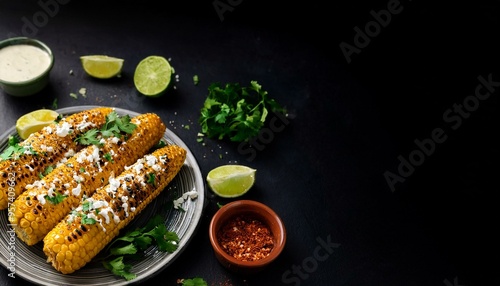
(236,112)
(128,245)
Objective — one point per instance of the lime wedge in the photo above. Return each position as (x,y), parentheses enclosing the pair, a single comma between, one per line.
(230,181)
(152,76)
(101,66)
(34,121)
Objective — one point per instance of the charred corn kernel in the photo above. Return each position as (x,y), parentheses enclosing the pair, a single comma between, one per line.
(110,209)
(53,197)
(43,149)
(25,223)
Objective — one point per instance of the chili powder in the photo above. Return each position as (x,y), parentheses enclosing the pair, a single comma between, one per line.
(246,238)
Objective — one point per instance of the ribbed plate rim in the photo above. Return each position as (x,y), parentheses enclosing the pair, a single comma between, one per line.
(186,222)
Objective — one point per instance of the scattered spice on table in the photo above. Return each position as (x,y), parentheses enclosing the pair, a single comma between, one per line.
(246,238)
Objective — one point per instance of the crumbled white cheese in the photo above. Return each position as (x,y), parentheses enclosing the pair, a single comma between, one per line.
(76,191)
(191,195)
(50,192)
(84,124)
(70,153)
(114,184)
(138,167)
(150,160)
(41,198)
(78,178)
(63,129)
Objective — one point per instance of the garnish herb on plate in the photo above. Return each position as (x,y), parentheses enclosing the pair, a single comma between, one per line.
(56,198)
(197,281)
(115,126)
(236,112)
(14,150)
(127,246)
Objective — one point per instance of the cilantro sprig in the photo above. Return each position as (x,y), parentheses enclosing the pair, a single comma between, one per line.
(128,246)
(14,150)
(114,126)
(236,112)
(197,281)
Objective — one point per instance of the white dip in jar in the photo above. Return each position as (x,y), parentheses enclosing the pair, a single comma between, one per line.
(20,63)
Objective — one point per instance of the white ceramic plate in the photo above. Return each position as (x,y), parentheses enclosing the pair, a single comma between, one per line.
(30,261)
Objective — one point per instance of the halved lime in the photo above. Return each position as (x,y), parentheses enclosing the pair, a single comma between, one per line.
(153,75)
(101,66)
(230,181)
(34,121)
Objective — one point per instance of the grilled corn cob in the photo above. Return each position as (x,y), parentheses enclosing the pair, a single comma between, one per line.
(98,219)
(43,149)
(47,201)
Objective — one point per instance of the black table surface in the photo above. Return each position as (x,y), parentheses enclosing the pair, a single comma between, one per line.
(384,171)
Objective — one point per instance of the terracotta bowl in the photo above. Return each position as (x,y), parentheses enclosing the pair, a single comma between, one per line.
(256,211)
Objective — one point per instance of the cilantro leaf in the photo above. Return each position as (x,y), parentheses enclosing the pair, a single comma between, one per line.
(86,206)
(143,241)
(167,241)
(109,157)
(197,281)
(127,249)
(111,131)
(125,125)
(127,246)
(56,199)
(160,144)
(13,150)
(151,179)
(114,126)
(117,267)
(235,112)
(89,137)
(88,220)
(13,140)
(47,170)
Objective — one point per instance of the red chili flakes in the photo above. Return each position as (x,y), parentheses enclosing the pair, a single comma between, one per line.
(246,238)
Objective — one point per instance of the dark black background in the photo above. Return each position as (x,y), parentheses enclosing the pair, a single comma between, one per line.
(349,122)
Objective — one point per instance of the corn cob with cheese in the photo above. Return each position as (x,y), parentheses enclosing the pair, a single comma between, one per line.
(47,201)
(44,149)
(98,219)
